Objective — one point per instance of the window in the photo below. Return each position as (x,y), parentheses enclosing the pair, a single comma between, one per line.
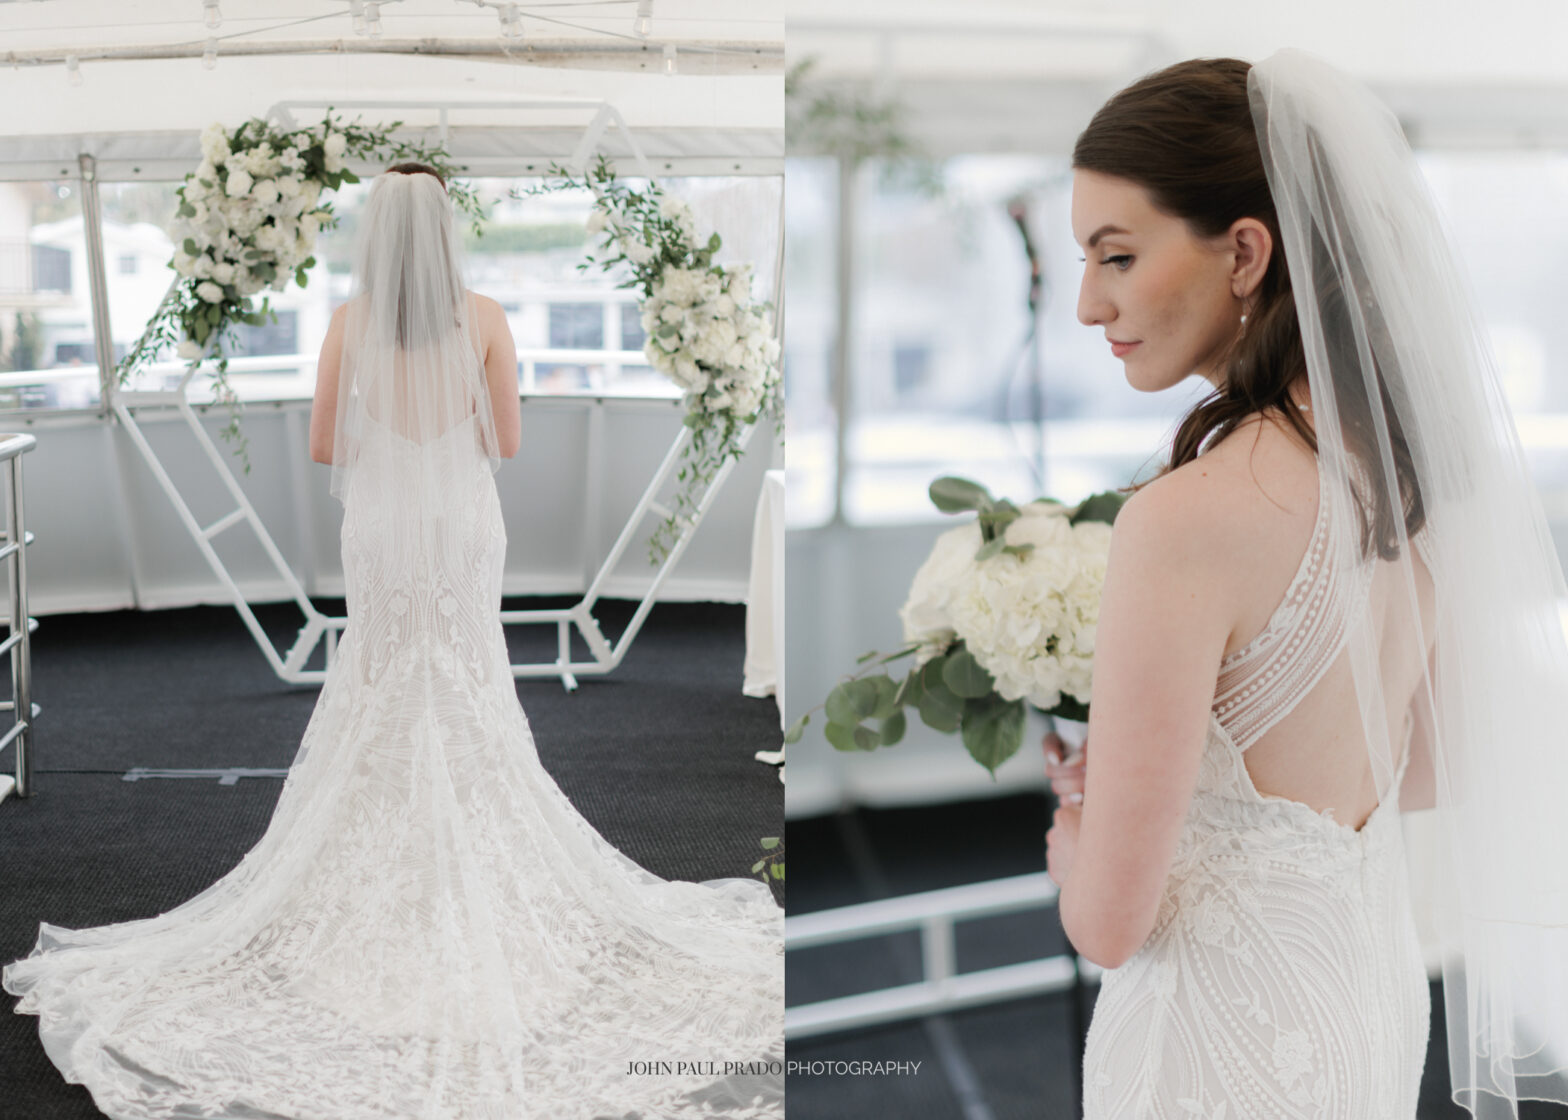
(632,335)
(577,326)
(47,359)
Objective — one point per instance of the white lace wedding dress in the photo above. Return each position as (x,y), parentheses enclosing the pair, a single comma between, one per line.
(428,929)
(1284,977)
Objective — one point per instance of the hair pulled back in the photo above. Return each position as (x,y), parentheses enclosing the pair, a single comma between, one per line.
(1186,135)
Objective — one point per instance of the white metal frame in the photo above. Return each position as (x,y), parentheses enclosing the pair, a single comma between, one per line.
(289,664)
(18,645)
(943,988)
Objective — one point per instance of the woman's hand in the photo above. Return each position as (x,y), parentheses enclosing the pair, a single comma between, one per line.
(1065,775)
(1061,842)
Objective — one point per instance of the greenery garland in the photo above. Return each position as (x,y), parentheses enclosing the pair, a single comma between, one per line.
(704,331)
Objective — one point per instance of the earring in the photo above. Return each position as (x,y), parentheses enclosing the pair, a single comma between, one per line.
(1243,325)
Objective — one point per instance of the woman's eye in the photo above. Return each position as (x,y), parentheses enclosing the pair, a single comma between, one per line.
(1120,260)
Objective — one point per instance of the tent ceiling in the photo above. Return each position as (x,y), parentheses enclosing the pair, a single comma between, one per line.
(727,96)
(1018,75)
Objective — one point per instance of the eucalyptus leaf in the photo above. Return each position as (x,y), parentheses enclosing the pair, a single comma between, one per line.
(966,677)
(939,708)
(990,548)
(797,729)
(951,494)
(1103,506)
(770,842)
(893,728)
(842,736)
(887,697)
(993,730)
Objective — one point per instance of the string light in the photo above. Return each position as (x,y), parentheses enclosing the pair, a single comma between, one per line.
(209,57)
(356,11)
(644,24)
(73,70)
(373,19)
(214,17)
(670,66)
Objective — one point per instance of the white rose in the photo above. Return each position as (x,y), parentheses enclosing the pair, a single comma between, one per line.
(239,183)
(223,272)
(333,149)
(265,191)
(189,350)
(215,143)
(209,291)
(202,267)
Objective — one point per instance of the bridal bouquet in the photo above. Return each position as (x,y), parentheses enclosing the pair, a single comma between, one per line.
(705,333)
(1003,613)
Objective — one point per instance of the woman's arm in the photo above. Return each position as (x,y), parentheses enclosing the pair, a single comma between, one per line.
(501,379)
(1165,618)
(324,407)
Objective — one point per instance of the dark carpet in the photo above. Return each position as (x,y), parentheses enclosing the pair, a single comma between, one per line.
(1014,1060)
(657,756)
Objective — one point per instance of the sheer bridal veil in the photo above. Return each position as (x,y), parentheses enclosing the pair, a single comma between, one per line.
(413,365)
(1458,645)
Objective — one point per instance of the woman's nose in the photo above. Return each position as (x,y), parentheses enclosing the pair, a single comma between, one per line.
(1091,308)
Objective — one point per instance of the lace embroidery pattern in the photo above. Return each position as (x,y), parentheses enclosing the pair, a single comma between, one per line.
(428,929)
(1284,976)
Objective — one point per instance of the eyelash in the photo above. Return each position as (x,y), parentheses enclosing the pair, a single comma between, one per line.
(1118,257)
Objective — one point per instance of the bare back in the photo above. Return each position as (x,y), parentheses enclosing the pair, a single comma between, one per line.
(1315,751)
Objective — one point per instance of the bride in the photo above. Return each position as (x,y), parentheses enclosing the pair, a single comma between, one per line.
(1338,601)
(428,929)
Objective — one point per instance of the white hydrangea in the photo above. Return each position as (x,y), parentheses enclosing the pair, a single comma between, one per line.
(926,612)
(333,150)
(265,191)
(214,144)
(209,291)
(1031,620)
(239,183)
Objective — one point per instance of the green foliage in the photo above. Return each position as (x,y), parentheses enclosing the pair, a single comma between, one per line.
(715,435)
(26,342)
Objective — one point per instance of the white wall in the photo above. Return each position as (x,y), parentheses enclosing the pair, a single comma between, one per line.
(107,538)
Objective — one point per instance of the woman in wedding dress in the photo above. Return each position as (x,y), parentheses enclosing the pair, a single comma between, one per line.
(428,929)
(1309,623)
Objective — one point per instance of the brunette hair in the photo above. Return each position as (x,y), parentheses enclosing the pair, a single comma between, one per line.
(1186,135)
(409,167)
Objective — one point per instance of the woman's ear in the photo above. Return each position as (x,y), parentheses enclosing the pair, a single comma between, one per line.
(1253,247)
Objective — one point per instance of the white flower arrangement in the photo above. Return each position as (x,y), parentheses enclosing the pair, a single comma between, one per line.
(705,332)
(1003,612)
(247,220)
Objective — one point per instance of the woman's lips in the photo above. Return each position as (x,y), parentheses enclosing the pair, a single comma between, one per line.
(1120,348)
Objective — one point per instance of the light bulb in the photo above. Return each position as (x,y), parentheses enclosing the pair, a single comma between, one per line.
(356,11)
(209,57)
(670,66)
(73,70)
(210,10)
(373,19)
(644,23)
(511,22)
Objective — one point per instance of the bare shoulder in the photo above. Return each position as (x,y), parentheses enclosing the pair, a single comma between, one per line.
(1207,513)
(488,308)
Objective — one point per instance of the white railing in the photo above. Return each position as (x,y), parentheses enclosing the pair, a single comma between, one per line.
(19,643)
(943,987)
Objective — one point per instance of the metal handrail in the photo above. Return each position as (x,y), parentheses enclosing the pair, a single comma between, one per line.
(19,644)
